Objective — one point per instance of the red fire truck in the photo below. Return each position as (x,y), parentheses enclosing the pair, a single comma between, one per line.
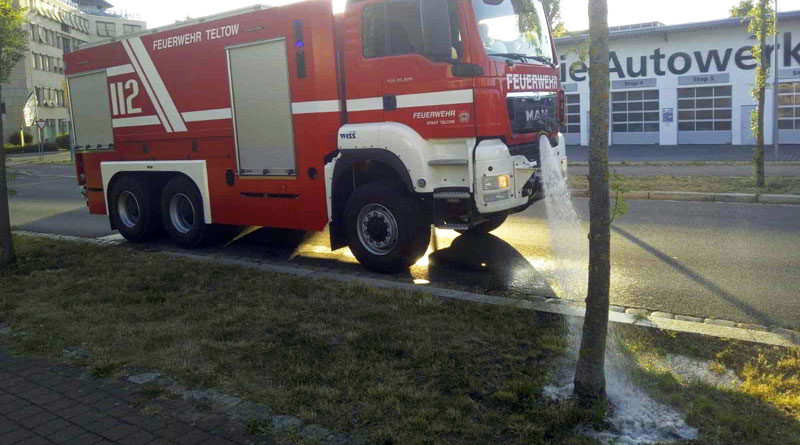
(379,122)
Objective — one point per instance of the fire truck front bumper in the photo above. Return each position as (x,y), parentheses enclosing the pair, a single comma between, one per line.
(506,183)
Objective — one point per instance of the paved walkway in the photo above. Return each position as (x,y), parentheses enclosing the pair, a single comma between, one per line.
(46,402)
(685,153)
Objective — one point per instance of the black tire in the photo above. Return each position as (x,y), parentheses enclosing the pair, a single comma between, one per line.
(135,208)
(381,248)
(184,223)
(486,227)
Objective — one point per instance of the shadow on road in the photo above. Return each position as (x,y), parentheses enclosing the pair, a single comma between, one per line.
(761,317)
(486,261)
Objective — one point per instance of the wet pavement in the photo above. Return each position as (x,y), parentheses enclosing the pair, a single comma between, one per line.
(730,261)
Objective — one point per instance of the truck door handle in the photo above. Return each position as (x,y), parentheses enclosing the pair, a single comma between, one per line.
(389,102)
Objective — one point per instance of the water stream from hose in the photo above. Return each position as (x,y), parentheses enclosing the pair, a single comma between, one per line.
(634,418)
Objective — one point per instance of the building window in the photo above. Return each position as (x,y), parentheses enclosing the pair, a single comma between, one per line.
(130,29)
(789,106)
(106,29)
(635,111)
(705,109)
(39,96)
(573,116)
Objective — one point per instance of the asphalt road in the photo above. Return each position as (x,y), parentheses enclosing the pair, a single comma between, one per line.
(732,261)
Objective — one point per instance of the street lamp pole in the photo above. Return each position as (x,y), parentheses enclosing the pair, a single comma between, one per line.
(776,79)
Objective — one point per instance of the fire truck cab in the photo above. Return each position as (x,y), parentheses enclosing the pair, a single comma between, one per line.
(379,122)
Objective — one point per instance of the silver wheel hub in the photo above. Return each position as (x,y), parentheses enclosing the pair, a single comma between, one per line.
(128,209)
(181,213)
(377,229)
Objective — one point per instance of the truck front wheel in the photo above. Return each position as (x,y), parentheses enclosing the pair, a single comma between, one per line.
(182,213)
(387,230)
(134,208)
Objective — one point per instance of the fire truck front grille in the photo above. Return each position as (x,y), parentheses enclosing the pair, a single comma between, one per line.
(533,112)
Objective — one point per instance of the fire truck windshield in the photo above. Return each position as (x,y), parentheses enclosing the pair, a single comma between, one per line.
(514,29)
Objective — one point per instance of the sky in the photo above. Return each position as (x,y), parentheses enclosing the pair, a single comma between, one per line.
(574,12)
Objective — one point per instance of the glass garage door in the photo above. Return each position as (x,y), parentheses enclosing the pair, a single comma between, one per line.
(635,118)
(789,112)
(572,129)
(704,115)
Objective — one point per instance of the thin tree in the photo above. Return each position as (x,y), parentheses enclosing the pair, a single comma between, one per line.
(13,43)
(742,9)
(762,24)
(590,381)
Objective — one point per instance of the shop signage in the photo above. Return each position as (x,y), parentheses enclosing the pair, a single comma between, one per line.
(702,79)
(667,115)
(660,63)
(633,83)
(793,73)
(570,87)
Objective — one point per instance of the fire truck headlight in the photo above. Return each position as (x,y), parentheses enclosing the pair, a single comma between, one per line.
(495,182)
(497,197)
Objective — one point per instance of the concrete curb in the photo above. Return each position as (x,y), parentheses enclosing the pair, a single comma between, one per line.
(702,197)
(775,335)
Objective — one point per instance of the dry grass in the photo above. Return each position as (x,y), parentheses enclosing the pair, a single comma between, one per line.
(394,367)
(775,185)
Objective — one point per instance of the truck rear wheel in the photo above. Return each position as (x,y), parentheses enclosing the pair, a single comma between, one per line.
(182,213)
(387,230)
(486,227)
(134,208)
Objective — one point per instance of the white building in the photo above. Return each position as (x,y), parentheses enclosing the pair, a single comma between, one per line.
(684,84)
(55,27)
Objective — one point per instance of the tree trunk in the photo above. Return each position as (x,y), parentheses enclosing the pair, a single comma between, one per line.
(590,381)
(758,153)
(6,243)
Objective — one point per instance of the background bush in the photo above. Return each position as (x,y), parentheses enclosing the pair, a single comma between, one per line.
(14,138)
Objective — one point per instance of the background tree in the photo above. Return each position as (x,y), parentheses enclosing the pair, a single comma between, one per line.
(590,381)
(553,10)
(762,24)
(742,9)
(13,43)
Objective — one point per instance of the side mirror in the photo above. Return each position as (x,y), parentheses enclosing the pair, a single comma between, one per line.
(436,28)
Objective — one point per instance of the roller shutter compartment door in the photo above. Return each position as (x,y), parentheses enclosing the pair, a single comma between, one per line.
(572,128)
(91,112)
(789,113)
(635,118)
(259,76)
(704,115)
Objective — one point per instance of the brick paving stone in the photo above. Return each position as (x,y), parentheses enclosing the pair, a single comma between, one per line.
(51,427)
(45,402)
(139,438)
(120,432)
(15,437)
(70,432)
(86,438)
(193,437)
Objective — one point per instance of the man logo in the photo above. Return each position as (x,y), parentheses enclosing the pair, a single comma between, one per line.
(534,115)
(348,135)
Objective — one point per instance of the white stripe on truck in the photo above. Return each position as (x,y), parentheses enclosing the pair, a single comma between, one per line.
(160,90)
(438,98)
(207,115)
(119,70)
